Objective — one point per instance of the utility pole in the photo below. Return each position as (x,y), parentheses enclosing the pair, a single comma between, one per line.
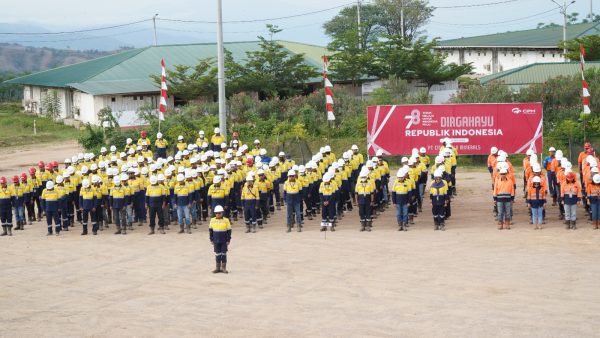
(221,71)
(358,19)
(563,11)
(402,18)
(154,23)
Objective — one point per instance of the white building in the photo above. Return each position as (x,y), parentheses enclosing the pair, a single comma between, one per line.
(495,53)
(123,81)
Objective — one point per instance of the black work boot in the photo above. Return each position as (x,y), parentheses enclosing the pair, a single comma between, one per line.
(85,230)
(362,225)
(118,232)
(248,228)
(189,229)
(9,228)
(253,228)
(573,226)
(289,228)
(181,229)
(218,268)
(224,267)
(151,231)
(4,233)
(161,230)
(369,225)
(400,226)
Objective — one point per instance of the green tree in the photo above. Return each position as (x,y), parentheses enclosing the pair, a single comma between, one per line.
(415,13)
(371,17)
(430,66)
(349,61)
(191,83)
(394,58)
(51,104)
(591,44)
(271,71)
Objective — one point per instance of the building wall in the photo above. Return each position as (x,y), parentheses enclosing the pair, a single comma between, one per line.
(33,96)
(489,61)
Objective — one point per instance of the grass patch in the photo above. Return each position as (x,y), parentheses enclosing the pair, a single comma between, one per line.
(16,128)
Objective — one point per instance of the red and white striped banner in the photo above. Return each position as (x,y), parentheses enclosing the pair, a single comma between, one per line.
(163,92)
(585,85)
(328,91)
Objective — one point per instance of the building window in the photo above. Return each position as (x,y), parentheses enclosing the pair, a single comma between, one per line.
(543,55)
(134,98)
(113,99)
(504,53)
(469,53)
(514,55)
(552,54)
(484,53)
(478,54)
(141,97)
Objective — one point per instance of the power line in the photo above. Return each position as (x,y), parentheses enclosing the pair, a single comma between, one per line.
(460,6)
(495,23)
(262,20)
(79,39)
(241,32)
(77,31)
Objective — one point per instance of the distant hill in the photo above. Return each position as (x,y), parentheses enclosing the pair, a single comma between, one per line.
(17,59)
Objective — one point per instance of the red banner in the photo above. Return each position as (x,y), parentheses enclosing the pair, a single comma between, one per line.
(472,128)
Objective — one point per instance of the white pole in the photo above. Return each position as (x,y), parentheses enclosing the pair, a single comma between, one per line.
(358,19)
(221,71)
(402,18)
(34,128)
(154,23)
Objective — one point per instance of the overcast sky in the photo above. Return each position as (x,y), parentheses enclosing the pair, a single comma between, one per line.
(446,23)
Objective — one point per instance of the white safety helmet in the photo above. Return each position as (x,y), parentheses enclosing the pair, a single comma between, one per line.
(85,183)
(153,179)
(536,179)
(219,209)
(217,130)
(596,178)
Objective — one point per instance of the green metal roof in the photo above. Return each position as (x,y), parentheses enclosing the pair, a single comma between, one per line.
(535,38)
(129,71)
(537,73)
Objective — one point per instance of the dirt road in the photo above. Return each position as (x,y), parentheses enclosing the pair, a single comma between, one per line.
(16,160)
(471,280)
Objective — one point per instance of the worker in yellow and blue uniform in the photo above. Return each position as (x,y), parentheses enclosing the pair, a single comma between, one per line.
(6,204)
(292,195)
(365,196)
(216,140)
(50,200)
(250,203)
(63,191)
(118,200)
(161,146)
(155,200)
(327,194)
(264,188)
(401,194)
(438,192)
(217,194)
(28,191)
(183,194)
(87,203)
(19,201)
(219,232)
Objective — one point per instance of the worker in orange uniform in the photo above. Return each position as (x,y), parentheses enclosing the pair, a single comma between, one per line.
(570,194)
(491,160)
(504,196)
(536,198)
(581,159)
(593,195)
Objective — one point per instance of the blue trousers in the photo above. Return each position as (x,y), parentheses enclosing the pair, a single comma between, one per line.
(537,215)
(293,206)
(183,213)
(53,215)
(595,210)
(249,212)
(402,213)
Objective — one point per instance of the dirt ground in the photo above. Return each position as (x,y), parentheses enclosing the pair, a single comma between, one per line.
(17,160)
(471,280)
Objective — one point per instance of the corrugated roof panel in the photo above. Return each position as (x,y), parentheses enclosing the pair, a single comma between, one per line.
(541,37)
(79,72)
(537,73)
(130,72)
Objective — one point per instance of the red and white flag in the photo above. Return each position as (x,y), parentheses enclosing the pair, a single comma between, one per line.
(163,92)
(328,91)
(585,85)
